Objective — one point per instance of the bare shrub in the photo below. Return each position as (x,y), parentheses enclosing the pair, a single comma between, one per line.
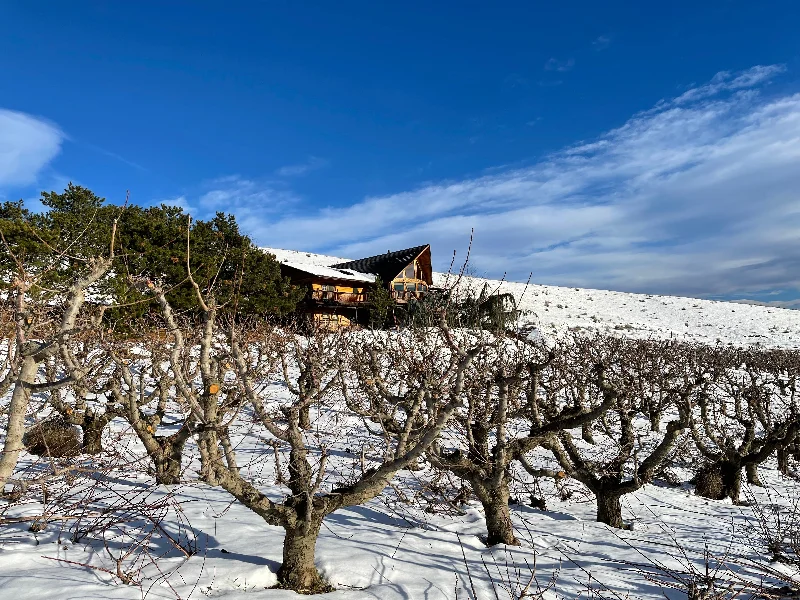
(640,380)
(503,418)
(54,437)
(746,412)
(775,537)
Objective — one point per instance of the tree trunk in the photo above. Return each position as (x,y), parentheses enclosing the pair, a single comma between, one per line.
(230,453)
(722,479)
(655,421)
(499,528)
(586,433)
(93,435)
(16,419)
(609,508)
(783,461)
(732,480)
(305,418)
(209,457)
(168,463)
(752,474)
(298,571)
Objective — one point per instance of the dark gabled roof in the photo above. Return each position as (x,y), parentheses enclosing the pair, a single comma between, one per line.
(386,266)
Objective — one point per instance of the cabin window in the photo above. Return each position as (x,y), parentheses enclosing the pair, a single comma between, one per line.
(410,287)
(399,287)
(356,290)
(409,271)
(421,287)
(328,288)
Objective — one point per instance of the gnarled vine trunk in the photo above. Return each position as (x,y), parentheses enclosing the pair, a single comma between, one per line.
(494,500)
(783,461)
(298,571)
(719,480)
(93,427)
(609,508)
(752,474)
(168,461)
(655,421)
(16,419)
(305,418)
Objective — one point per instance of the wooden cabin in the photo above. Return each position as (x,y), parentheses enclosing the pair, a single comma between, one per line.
(338,295)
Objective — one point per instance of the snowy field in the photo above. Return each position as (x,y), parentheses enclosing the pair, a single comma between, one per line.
(386,550)
(391,549)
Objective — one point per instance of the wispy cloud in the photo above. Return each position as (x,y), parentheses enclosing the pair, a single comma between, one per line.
(601,43)
(180,201)
(27,145)
(312,164)
(696,196)
(725,81)
(515,80)
(115,156)
(252,201)
(555,64)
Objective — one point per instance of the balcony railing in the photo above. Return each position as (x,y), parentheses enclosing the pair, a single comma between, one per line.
(353,298)
(338,297)
(407,295)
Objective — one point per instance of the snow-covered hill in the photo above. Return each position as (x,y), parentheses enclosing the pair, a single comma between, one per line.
(557,309)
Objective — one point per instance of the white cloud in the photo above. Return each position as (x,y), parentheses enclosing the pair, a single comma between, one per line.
(725,81)
(601,42)
(312,164)
(179,201)
(251,201)
(700,195)
(234,193)
(27,145)
(559,65)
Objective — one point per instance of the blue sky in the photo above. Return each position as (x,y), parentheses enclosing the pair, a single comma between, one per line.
(631,146)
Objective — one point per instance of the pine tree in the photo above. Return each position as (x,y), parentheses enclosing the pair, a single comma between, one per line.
(382,305)
(151,242)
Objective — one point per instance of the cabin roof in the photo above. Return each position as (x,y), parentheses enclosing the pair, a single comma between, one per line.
(330,272)
(386,266)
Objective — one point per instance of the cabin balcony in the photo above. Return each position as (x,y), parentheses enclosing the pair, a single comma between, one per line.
(404,290)
(338,297)
(406,295)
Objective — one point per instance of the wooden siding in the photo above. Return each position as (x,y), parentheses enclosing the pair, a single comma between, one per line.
(330,321)
(413,287)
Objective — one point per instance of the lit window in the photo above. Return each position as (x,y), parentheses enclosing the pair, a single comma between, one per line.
(409,272)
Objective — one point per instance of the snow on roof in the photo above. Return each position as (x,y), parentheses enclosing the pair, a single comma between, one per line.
(322,271)
(304,258)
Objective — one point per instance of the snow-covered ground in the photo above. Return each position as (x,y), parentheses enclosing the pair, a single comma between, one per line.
(553,308)
(388,549)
